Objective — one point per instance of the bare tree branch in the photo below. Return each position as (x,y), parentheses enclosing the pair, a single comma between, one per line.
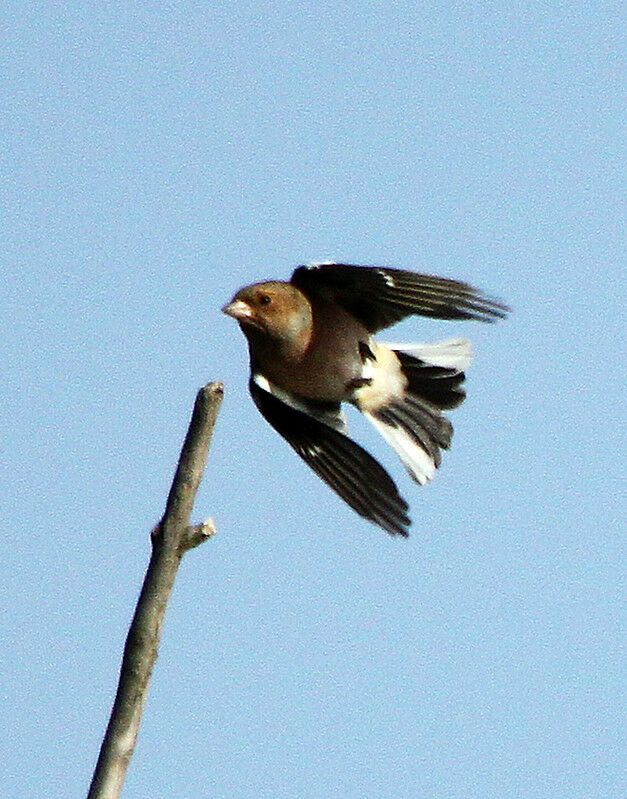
(171,538)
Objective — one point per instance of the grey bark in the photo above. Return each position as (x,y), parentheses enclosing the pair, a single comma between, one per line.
(171,538)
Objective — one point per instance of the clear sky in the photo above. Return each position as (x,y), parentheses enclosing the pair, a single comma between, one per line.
(154,158)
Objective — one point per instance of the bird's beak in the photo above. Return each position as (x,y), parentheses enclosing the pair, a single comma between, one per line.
(239,310)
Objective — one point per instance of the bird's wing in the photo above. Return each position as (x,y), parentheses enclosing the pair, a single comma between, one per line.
(379,296)
(317,432)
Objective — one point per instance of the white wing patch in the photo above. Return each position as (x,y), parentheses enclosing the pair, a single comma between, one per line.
(336,420)
(389,280)
(316,264)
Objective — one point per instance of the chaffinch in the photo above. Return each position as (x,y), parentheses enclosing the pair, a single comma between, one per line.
(311,348)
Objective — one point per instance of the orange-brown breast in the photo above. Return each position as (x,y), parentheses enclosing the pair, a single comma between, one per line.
(329,363)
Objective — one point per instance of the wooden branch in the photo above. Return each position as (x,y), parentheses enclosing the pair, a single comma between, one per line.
(171,538)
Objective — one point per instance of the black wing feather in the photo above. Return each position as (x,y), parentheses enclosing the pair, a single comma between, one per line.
(380,296)
(345,466)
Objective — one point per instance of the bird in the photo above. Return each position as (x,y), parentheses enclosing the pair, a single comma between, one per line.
(312,348)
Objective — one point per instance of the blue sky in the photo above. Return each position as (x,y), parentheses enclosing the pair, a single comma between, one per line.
(154,158)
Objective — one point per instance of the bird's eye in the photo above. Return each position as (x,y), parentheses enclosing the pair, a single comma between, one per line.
(265,299)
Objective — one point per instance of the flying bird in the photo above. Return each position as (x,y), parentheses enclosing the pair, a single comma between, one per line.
(311,349)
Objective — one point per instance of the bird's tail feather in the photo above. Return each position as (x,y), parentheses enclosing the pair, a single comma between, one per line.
(416,432)
(435,371)
(413,424)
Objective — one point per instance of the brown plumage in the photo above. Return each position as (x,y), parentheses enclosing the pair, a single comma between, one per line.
(311,349)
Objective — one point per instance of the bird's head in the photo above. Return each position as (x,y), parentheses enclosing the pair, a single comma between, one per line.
(272,309)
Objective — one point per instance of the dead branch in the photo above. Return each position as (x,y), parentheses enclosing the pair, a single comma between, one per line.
(171,538)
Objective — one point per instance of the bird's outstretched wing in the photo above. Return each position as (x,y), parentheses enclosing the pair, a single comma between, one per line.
(379,296)
(316,433)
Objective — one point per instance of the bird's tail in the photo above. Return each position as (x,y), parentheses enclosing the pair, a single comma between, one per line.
(435,371)
(427,380)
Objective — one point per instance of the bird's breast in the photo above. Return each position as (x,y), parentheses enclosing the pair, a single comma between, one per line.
(327,369)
